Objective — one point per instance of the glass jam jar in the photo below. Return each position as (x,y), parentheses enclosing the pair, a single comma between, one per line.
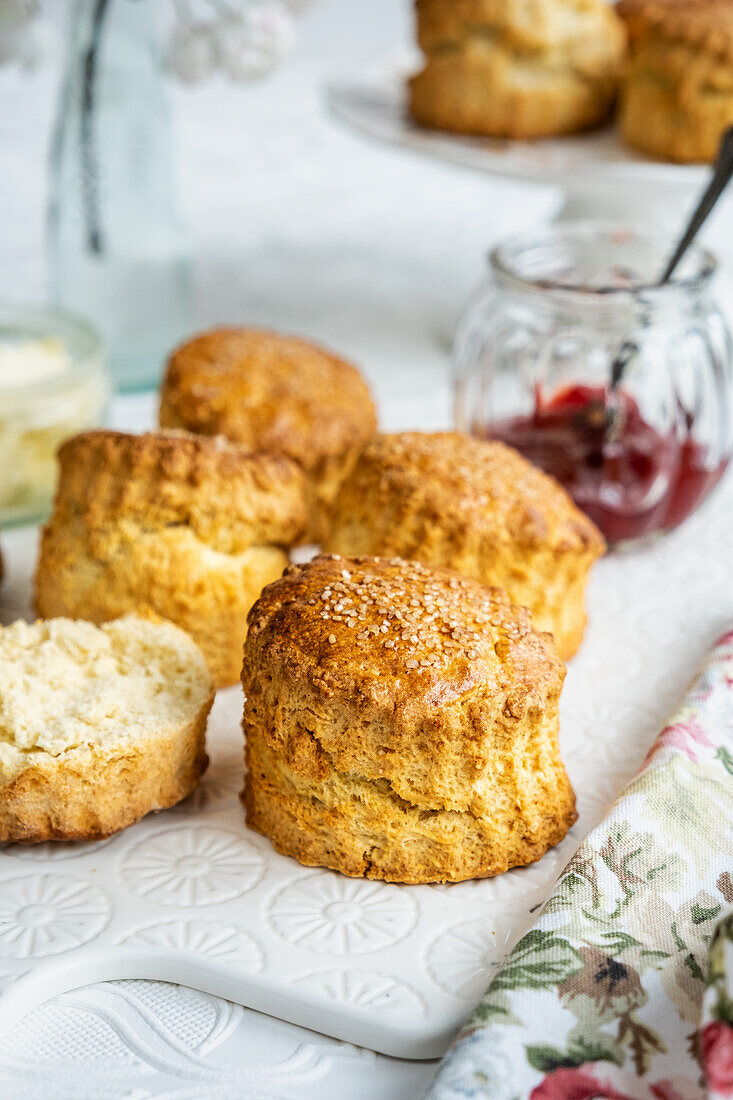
(533,361)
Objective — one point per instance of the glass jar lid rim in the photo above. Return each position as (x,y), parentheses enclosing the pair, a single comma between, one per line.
(503,259)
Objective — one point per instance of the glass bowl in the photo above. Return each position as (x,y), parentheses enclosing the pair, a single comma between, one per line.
(65,390)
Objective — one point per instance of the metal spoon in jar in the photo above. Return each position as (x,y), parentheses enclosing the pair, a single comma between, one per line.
(614,415)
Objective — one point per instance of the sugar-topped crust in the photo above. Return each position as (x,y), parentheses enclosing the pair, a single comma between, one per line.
(400,636)
(479,508)
(416,710)
(276,394)
(171,525)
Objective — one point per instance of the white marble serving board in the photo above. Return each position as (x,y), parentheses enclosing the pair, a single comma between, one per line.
(192,896)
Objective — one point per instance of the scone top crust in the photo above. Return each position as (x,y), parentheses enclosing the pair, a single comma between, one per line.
(467,488)
(704,24)
(229,498)
(396,642)
(269,393)
(525,25)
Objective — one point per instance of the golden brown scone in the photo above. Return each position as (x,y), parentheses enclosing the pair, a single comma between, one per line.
(276,394)
(516,68)
(98,725)
(677,96)
(479,508)
(168,525)
(401,723)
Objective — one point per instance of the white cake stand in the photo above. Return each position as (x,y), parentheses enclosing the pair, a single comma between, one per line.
(600,177)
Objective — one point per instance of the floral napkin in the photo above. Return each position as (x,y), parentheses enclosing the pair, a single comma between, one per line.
(602,999)
(715,1038)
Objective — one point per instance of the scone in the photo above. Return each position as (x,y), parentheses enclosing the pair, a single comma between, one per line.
(516,68)
(172,526)
(479,508)
(98,725)
(401,723)
(677,95)
(275,394)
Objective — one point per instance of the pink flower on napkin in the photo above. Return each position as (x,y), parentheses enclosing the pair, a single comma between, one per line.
(716,1052)
(574,1084)
(686,736)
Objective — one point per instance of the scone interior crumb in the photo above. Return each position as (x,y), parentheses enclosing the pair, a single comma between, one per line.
(66,683)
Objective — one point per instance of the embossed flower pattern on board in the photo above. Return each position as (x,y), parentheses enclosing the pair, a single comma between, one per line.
(202,938)
(325,913)
(379,992)
(461,959)
(192,866)
(48,914)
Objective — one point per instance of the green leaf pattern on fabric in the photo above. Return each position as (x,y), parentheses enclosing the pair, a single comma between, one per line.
(602,998)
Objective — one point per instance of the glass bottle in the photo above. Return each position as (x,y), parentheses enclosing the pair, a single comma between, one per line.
(117,250)
(533,362)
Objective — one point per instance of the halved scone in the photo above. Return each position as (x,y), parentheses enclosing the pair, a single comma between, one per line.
(98,725)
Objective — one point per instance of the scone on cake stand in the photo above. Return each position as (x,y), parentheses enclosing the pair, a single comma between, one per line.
(599,176)
(531,84)
(516,69)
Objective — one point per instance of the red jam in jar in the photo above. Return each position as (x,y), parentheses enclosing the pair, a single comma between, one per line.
(631,482)
(536,364)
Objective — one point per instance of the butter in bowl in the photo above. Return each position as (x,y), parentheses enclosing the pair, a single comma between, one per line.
(53,383)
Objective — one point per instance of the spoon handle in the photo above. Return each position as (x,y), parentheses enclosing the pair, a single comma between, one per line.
(722,173)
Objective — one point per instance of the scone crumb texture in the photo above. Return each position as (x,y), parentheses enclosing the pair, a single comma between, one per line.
(66,683)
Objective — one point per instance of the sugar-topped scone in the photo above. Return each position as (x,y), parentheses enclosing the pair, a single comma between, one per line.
(401,723)
(276,394)
(98,725)
(677,94)
(171,525)
(479,508)
(516,68)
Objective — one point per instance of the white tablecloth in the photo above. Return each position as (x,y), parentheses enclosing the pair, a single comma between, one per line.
(301,226)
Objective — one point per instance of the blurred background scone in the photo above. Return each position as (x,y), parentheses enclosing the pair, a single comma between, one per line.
(516,68)
(98,725)
(677,97)
(173,525)
(476,507)
(401,723)
(276,394)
